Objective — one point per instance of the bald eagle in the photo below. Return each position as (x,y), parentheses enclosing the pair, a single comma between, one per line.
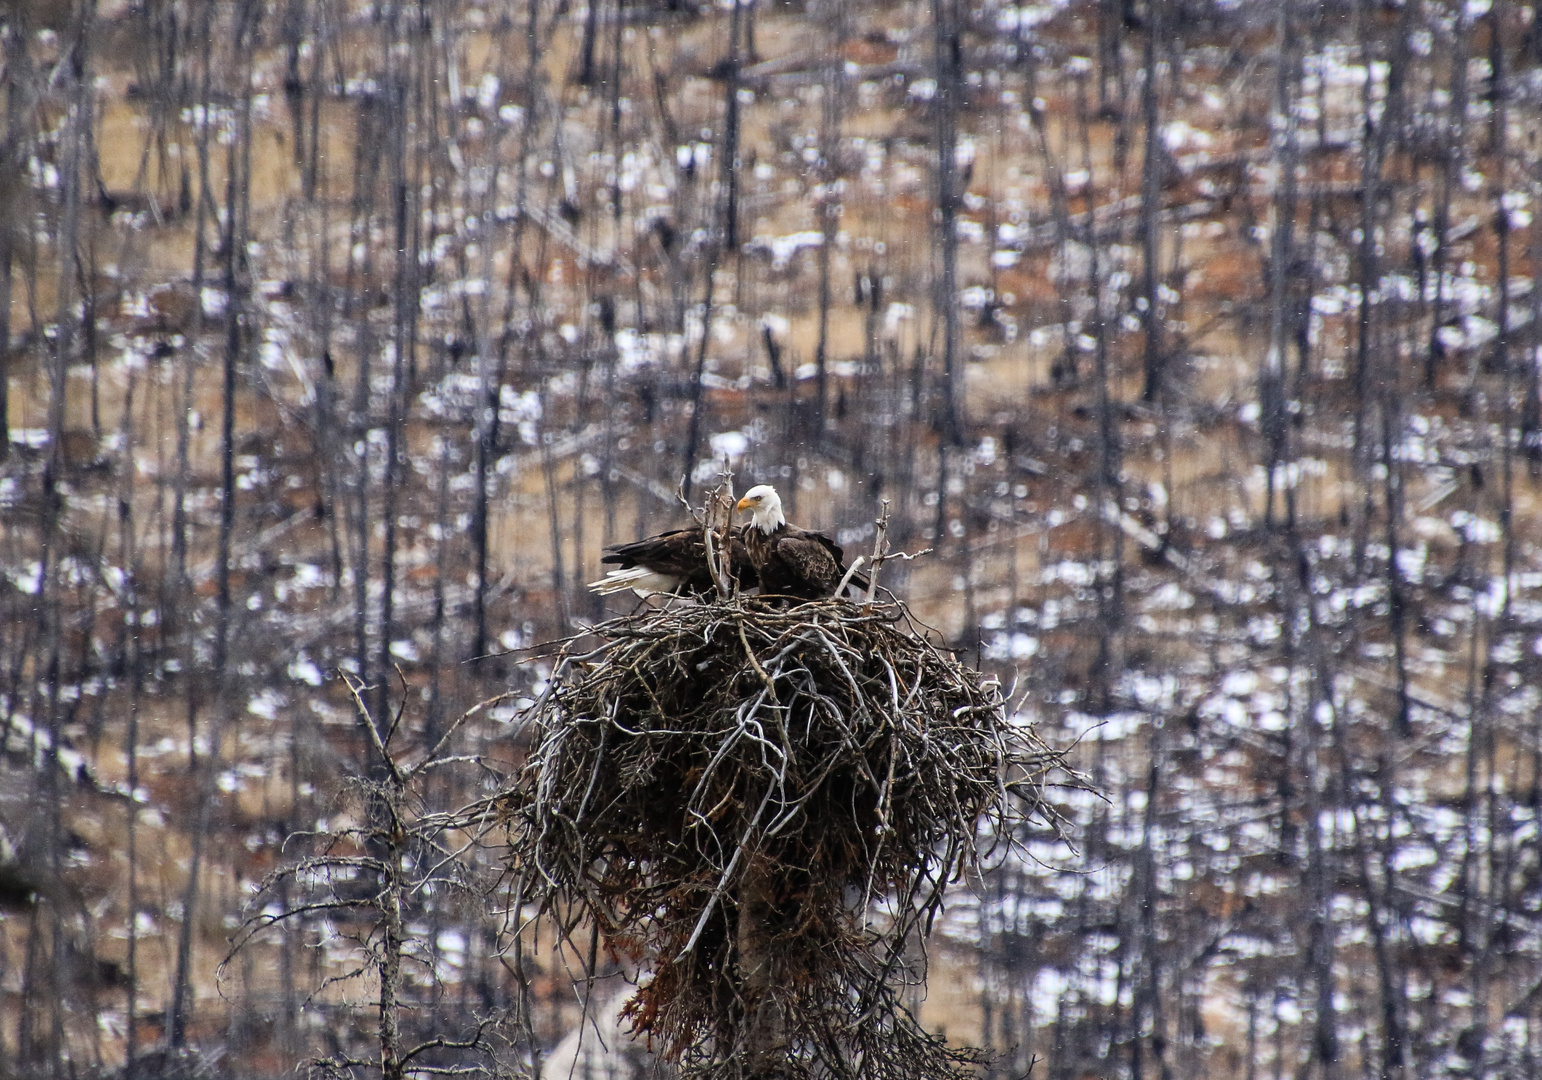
(671,562)
(789,561)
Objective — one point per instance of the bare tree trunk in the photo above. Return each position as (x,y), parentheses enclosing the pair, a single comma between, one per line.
(393,938)
(1063,372)
(1379,123)
(587,45)
(1531,399)
(1107,485)
(75,72)
(12,160)
(554,523)
(765,1030)
(1149,996)
(948,59)
(400,84)
(1319,954)
(1150,208)
(1271,384)
(828,201)
(132,661)
(728,236)
(233,244)
(1484,880)
(205,208)
(1453,137)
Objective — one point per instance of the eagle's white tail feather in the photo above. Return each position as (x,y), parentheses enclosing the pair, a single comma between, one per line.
(639,579)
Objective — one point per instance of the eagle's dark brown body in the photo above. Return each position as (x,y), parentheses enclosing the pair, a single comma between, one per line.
(794,562)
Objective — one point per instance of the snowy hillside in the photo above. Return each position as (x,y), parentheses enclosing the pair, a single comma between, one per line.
(1199,339)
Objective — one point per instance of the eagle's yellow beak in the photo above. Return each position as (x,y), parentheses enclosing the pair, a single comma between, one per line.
(743,504)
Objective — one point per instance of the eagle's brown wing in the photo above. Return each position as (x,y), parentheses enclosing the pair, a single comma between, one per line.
(678,553)
(681,555)
(800,564)
(840,559)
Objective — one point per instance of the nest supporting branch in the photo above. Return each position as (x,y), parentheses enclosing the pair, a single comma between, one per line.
(760,809)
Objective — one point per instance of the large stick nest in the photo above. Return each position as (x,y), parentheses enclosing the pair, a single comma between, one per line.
(760,809)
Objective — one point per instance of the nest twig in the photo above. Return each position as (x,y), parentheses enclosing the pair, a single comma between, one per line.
(762,808)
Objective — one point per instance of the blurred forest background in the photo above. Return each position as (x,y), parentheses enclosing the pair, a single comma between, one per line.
(1198,337)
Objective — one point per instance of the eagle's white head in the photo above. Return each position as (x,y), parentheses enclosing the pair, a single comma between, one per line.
(765,507)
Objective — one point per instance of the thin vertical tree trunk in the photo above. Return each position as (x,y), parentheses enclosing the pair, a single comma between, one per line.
(439,660)
(1149,1000)
(1319,955)
(400,99)
(554,520)
(1482,877)
(1378,127)
(586,46)
(1150,208)
(1282,243)
(1107,485)
(10,212)
(765,1044)
(15,80)
(394,937)
(205,209)
(1063,371)
(948,61)
(128,560)
(233,245)
(1453,137)
(76,72)
(728,236)
(1531,398)
(828,202)
(6,216)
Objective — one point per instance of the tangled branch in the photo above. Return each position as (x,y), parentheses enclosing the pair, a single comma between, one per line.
(762,809)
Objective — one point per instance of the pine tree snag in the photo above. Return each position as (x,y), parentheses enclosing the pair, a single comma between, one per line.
(760,809)
(765,1023)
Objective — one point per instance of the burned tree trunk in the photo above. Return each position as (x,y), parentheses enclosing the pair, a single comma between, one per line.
(764,1035)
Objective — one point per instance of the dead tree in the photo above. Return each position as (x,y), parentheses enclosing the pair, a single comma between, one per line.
(368,878)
